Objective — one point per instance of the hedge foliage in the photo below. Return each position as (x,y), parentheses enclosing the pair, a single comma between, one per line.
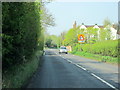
(105,48)
(21,32)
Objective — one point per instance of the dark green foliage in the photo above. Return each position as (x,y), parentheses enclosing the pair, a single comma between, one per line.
(51,41)
(21,32)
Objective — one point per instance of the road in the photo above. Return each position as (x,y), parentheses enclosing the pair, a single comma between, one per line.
(70,71)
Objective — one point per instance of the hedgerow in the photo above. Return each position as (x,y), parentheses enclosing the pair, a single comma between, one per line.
(105,48)
(21,32)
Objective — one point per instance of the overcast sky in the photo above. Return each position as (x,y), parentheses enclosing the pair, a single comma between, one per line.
(89,13)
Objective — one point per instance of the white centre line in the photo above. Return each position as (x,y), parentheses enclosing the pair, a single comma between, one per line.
(104,81)
(80,66)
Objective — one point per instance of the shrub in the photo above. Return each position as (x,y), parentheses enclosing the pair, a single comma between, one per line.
(105,48)
(21,30)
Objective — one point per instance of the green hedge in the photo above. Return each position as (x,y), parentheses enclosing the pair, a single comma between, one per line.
(105,48)
(21,32)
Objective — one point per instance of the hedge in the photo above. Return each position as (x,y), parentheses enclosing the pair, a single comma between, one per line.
(21,32)
(105,48)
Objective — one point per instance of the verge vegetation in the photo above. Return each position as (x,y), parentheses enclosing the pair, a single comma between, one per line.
(22,40)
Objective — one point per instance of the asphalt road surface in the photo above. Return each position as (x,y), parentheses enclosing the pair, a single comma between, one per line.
(70,71)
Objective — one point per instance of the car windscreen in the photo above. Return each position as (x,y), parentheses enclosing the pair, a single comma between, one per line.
(62,47)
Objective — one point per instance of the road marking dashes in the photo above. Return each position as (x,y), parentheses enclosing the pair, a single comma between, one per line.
(76,64)
(80,67)
(63,57)
(69,61)
(92,74)
(104,81)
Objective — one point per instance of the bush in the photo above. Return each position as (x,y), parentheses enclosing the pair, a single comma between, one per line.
(18,76)
(21,32)
(105,48)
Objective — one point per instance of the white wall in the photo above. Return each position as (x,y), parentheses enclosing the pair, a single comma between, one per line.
(113,33)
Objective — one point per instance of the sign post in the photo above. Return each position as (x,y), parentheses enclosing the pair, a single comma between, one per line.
(81,38)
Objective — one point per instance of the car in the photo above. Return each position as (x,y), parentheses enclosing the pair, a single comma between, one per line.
(63,49)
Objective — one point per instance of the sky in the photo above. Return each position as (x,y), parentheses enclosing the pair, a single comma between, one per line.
(89,13)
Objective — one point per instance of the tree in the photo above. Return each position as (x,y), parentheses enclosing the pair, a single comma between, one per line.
(51,40)
(103,34)
(46,18)
(62,37)
(106,22)
(92,34)
(71,37)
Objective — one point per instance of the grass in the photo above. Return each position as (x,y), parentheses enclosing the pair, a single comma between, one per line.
(107,59)
(17,78)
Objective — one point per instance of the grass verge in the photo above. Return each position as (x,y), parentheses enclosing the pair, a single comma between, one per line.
(17,78)
(107,59)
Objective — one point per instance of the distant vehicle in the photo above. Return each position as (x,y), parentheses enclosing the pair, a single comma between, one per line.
(63,49)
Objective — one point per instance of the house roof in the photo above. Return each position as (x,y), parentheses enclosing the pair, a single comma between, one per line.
(87,26)
(83,27)
(93,26)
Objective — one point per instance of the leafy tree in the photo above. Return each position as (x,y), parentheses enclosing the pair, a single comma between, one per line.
(92,35)
(48,42)
(51,40)
(71,37)
(107,22)
(103,34)
(46,18)
(62,38)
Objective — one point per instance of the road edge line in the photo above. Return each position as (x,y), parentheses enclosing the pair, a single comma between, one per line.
(104,81)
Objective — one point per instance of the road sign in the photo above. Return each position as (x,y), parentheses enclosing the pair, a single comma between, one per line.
(81,38)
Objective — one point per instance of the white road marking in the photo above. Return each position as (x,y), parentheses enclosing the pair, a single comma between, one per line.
(80,66)
(63,57)
(76,64)
(93,74)
(104,81)
(69,61)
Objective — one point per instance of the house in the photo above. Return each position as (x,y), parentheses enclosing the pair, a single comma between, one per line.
(85,27)
(114,35)
(113,31)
